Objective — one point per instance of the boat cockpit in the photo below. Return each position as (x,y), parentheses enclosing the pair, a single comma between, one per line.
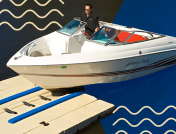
(121,36)
(66,40)
(71,39)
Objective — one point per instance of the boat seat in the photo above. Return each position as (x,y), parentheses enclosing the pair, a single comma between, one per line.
(134,38)
(36,54)
(57,43)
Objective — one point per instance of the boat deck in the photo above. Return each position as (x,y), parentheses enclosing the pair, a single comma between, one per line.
(28,109)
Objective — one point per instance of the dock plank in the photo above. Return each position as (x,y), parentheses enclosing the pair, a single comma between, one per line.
(56,111)
(4,86)
(9,92)
(64,118)
(44,130)
(64,125)
(5,127)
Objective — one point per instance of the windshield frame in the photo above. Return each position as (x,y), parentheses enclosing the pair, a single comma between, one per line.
(107,43)
(124,43)
(74,31)
(151,33)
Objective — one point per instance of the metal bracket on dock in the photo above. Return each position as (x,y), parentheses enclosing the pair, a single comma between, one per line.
(44,98)
(10,111)
(28,104)
(44,123)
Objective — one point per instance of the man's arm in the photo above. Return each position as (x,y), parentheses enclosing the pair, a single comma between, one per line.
(97,25)
(80,22)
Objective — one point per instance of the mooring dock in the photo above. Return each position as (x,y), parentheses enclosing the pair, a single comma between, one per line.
(28,109)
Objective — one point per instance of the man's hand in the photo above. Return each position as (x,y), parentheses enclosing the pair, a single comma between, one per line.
(79,25)
(96,29)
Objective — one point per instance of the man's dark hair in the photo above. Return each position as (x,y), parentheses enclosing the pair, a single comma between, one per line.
(89,4)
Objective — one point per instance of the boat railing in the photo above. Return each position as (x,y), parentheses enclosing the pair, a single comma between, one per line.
(27,48)
(23,51)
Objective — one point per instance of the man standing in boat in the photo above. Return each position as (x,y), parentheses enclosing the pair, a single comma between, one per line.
(91,19)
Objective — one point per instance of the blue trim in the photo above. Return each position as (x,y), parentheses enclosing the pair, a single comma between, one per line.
(42,108)
(16,96)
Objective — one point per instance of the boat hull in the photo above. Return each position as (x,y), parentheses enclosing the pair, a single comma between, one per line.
(71,75)
(54,82)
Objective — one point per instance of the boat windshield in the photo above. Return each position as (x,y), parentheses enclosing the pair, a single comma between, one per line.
(71,27)
(104,35)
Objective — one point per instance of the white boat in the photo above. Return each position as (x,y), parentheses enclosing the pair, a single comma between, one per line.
(65,58)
